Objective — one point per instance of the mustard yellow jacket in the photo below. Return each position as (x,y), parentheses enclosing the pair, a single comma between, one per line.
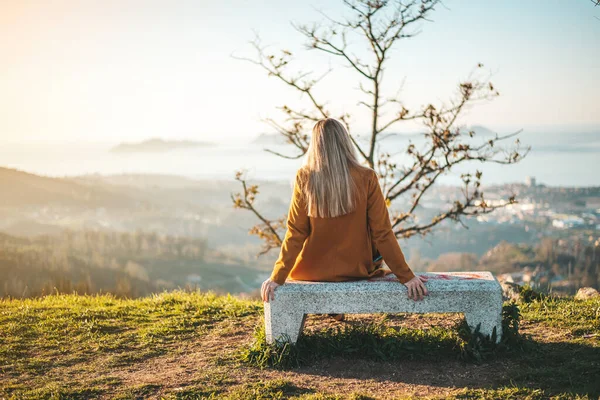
(340,248)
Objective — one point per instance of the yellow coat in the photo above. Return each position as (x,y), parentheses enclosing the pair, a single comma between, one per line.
(340,248)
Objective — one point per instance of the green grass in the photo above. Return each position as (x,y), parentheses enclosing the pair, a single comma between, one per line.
(263,390)
(381,342)
(516,393)
(580,317)
(55,333)
(192,345)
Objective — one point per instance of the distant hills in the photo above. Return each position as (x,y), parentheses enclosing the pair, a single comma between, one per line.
(24,189)
(158,145)
(481,130)
(270,139)
(279,139)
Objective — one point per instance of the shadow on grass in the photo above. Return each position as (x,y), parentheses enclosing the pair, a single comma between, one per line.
(378,341)
(436,357)
(268,389)
(554,368)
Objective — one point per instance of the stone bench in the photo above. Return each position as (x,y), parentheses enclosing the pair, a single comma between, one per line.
(477,295)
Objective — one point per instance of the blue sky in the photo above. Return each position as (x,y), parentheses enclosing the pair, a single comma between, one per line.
(128,70)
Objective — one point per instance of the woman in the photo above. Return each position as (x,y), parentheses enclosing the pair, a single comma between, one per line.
(338,220)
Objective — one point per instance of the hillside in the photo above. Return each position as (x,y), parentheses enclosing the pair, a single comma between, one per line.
(25,190)
(195,345)
(126,264)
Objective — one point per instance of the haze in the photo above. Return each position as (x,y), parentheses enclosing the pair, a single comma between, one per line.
(125,71)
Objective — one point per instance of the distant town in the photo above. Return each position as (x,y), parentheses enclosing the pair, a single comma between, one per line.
(567,219)
(115,224)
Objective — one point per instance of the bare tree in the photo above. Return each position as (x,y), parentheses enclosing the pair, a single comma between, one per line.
(596,3)
(383,23)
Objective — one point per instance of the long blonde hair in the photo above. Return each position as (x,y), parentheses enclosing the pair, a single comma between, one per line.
(329,188)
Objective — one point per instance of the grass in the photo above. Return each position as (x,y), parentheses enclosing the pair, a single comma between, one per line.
(192,345)
(60,331)
(381,342)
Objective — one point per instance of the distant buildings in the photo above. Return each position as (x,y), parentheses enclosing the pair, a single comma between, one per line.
(569,221)
(530,181)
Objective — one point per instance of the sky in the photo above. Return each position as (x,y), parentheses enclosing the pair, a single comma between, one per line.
(128,70)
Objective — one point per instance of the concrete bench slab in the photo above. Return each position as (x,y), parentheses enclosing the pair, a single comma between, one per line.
(477,295)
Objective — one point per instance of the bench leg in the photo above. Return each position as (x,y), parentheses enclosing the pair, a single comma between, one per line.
(282,325)
(488,321)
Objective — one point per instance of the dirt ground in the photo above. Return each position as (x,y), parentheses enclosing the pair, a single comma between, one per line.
(209,359)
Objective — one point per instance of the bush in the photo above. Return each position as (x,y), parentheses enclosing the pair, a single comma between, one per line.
(527,294)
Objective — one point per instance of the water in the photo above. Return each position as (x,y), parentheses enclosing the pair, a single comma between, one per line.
(556,159)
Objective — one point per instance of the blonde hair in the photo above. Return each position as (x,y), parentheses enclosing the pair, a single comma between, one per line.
(329,188)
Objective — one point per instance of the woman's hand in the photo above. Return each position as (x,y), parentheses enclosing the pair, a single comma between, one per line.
(267,290)
(416,287)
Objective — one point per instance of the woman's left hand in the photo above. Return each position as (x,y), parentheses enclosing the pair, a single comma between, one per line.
(268,290)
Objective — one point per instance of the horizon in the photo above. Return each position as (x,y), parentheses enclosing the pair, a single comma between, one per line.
(555,159)
(249,137)
(81,78)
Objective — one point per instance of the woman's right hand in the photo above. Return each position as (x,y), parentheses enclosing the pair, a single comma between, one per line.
(416,287)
